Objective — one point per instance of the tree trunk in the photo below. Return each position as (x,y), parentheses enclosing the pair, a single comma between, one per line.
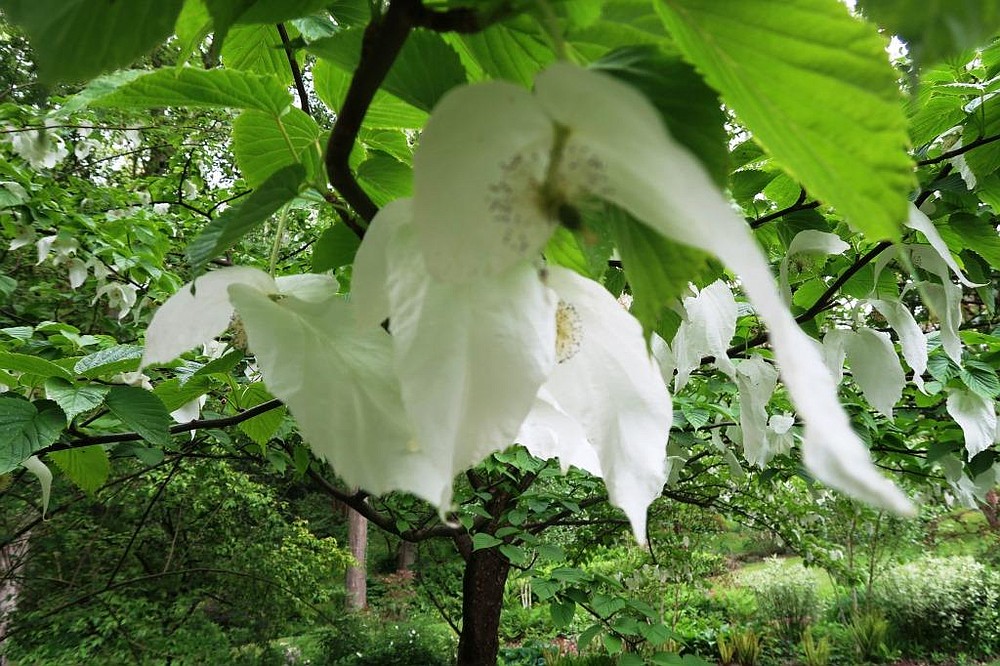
(357,576)
(12,558)
(482,600)
(406,555)
(990,507)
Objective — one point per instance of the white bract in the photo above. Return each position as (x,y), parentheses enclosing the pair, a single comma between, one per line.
(543,357)
(498,167)
(335,378)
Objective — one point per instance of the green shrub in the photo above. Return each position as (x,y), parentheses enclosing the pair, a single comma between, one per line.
(941,604)
(359,640)
(746,647)
(786,597)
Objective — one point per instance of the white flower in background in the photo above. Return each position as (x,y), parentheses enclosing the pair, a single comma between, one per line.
(62,247)
(498,166)
(476,358)
(335,378)
(39,148)
(121,297)
(808,241)
(77,272)
(25,236)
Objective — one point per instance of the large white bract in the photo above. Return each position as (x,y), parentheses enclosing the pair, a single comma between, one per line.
(496,165)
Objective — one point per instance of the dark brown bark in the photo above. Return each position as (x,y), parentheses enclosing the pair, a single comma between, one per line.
(12,559)
(482,600)
(990,507)
(357,575)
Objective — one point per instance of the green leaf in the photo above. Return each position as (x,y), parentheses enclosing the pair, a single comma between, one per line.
(88,467)
(690,109)
(226,230)
(110,361)
(142,412)
(482,541)
(386,111)
(588,634)
(657,268)
(427,66)
(277,11)
(935,30)
(258,49)
(385,178)
(335,247)
(174,393)
(26,427)
(225,88)
(562,613)
(822,98)
(260,428)
(612,643)
(74,398)
(980,378)
(978,235)
(264,143)
(33,365)
(77,39)
(515,50)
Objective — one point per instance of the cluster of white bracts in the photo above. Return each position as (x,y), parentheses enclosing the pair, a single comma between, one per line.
(488,347)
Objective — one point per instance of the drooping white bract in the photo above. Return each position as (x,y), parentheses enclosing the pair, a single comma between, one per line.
(976,416)
(606,381)
(471,355)
(497,166)
(911,337)
(335,377)
(917,220)
(708,327)
(756,380)
(542,357)
(875,368)
(808,241)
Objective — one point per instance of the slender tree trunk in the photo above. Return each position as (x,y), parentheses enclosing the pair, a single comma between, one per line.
(990,507)
(406,555)
(357,576)
(482,600)
(13,557)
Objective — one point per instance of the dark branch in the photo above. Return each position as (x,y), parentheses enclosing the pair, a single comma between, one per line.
(959,151)
(293,64)
(199,424)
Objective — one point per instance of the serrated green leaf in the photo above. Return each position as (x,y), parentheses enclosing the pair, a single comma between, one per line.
(385,178)
(426,68)
(822,98)
(174,393)
(221,365)
(562,613)
(26,427)
(264,143)
(657,268)
(588,635)
(980,378)
(334,248)
(74,398)
(225,88)
(87,467)
(386,111)
(33,365)
(482,541)
(77,39)
(612,643)
(226,230)
(260,428)
(515,50)
(978,235)
(110,361)
(689,108)
(277,11)
(141,411)
(935,30)
(258,49)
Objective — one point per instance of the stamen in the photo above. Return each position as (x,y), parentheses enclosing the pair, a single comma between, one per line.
(569,332)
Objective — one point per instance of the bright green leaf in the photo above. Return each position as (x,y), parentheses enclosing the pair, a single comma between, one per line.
(822,98)
(258,49)
(334,248)
(77,39)
(264,143)
(562,613)
(88,467)
(386,111)
(188,86)
(32,365)
(482,541)
(110,361)
(142,412)
(260,428)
